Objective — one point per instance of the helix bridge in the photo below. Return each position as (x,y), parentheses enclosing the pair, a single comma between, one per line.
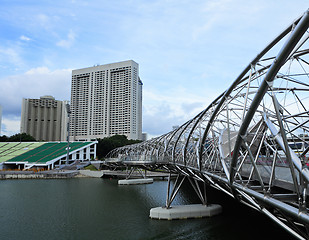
(252,141)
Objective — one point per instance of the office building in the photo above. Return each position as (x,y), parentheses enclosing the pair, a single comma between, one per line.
(106,100)
(45,119)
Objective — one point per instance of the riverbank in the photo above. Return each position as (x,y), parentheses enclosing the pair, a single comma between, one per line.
(53,174)
(60,174)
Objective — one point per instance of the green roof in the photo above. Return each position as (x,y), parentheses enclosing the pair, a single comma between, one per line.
(9,150)
(47,152)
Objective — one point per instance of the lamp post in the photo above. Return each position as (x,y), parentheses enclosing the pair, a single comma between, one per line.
(68,134)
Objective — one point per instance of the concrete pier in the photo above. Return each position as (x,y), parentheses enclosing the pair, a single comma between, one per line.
(185,211)
(135,181)
(89,173)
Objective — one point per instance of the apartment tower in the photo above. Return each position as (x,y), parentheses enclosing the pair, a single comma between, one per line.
(45,119)
(106,100)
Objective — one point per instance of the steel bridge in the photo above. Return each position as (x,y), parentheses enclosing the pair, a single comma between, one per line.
(252,141)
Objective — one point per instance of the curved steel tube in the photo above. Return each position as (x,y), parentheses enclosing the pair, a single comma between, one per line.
(252,141)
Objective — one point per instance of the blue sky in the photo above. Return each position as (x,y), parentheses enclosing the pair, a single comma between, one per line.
(188,51)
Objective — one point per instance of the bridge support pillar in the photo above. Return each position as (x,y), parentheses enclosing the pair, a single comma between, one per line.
(135,181)
(135,169)
(128,181)
(185,211)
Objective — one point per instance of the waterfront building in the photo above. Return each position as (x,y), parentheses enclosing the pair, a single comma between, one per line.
(45,119)
(44,155)
(106,100)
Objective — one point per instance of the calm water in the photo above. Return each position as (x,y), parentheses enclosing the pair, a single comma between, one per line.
(89,208)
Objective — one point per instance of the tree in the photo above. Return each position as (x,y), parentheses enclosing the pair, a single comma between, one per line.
(107,144)
(21,137)
(3,138)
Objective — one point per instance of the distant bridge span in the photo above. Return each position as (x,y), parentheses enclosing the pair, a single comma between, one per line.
(252,141)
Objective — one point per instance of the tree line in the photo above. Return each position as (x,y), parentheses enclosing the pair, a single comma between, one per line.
(107,144)
(104,145)
(19,137)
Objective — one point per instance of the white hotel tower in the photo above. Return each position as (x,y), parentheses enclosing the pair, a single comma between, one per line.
(106,100)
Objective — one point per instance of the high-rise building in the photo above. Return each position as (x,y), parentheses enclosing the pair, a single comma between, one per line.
(45,119)
(106,100)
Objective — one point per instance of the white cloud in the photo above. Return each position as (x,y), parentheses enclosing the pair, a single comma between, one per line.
(10,56)
(162,110)
(67,43)
(33,84)
(24,38)
(38,71)
(10,126)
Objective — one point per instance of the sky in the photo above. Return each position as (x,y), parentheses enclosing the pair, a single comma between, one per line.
(188,51)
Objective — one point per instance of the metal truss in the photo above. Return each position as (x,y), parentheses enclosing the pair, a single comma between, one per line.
(252,141)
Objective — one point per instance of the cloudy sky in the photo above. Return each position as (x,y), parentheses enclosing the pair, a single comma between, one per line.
(188,51)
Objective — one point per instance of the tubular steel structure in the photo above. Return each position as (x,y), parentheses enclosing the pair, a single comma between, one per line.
(252,141)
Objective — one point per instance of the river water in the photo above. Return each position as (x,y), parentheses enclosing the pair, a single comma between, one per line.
(94,208)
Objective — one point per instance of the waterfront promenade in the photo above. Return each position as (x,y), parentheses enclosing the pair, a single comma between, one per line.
(38,174)
(54,174)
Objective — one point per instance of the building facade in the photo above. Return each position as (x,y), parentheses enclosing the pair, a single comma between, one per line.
(45,119)
(106,100)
